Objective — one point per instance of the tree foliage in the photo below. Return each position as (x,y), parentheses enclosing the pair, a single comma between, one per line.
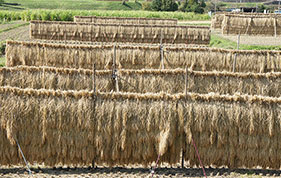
(196,6)
(164,5)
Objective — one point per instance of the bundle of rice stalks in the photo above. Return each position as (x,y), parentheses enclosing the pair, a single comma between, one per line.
(252,25)
(140,56)
(217,19)
(72,127)
(207,59)
(173,81)
(56,78)
(119,32)
(142,81)
(125,20)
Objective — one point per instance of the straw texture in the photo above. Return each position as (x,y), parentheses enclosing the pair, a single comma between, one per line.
(142,81)
(125,20)
(240,22)
(71,127)
(139,57)
(252,25)
(55,78)
(119,32)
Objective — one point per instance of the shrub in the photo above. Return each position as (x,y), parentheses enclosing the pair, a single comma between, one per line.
(156,5)
(164,5)
(196,6)
(146,6)
(59,15)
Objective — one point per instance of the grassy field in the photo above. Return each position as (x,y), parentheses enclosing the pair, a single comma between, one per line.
(2,61)
(67,15)
(69,5)
(219,42)
(66,9)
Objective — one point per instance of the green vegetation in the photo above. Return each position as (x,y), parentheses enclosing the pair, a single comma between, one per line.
(219,42)
(2,61)
(67,15)
(194,24)
(196,6)
(69,5)
(164,5)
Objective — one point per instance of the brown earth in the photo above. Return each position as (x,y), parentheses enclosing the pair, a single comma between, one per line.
(121,172)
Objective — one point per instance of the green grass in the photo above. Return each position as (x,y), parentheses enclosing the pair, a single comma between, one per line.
(235,5)
(13,27)
(67,15)
(2,61)
(219,42)
(195,24)
(66,9)
(69,5)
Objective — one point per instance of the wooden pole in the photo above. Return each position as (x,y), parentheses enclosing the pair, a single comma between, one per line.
(116,82)
(238,41)
(114,72)
(94,96)
(235,57)
(161,51)
(94,78)
(27,165)
(114,57)
(185,90)
(275,24)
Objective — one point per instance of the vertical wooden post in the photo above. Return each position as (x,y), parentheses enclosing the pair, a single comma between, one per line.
(235,57)
(116,82)
(185,90)
(94,79)
(114,71)
(64,34)
(94,97)
(275,24)
(44,83)
(161,51)
(114,57)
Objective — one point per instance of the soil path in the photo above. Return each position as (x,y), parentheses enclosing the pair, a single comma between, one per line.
(120,172)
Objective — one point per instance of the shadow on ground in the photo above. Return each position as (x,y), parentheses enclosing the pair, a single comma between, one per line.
(189,172)
(12,6)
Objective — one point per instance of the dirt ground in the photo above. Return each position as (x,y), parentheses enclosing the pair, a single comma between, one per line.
(121,172)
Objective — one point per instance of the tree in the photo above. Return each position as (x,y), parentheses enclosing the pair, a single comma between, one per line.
(164,5)
(156,5)
(196,6)
(1,2)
